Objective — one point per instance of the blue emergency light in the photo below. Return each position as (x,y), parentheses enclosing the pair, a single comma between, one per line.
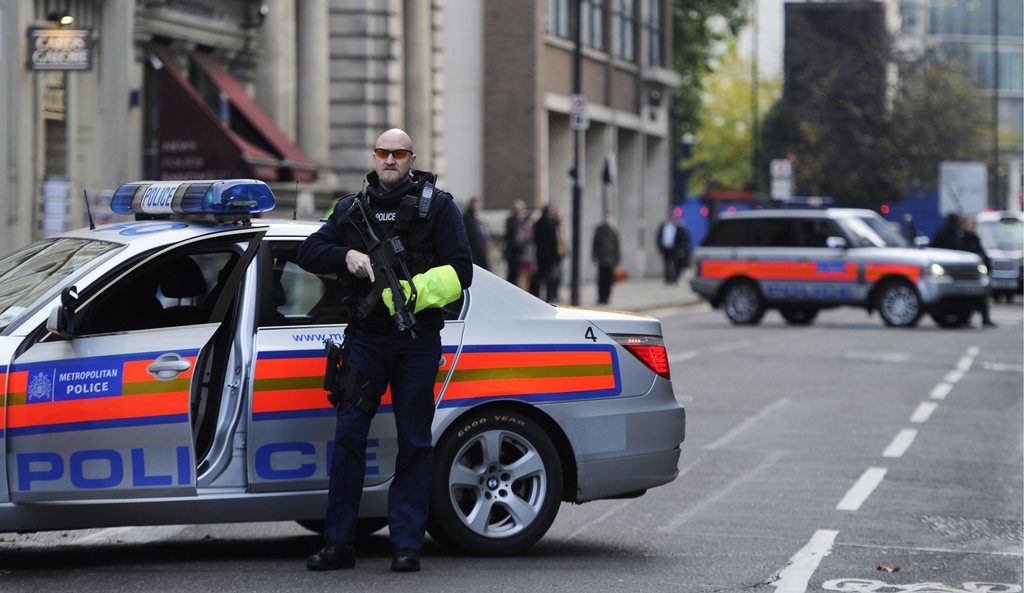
(229,197)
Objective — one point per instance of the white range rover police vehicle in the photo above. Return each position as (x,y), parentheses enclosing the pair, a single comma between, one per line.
(170,369)
(803,261)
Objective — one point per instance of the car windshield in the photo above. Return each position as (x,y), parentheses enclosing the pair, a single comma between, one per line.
(1005,234)
(871,231)
(28,273)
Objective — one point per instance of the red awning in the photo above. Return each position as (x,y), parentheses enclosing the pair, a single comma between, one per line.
(295,165)
(193,143)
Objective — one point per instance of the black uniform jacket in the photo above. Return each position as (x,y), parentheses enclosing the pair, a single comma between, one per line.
(324,251)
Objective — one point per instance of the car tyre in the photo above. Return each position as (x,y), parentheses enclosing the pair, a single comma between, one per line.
(497,484)
(951,318)
(744,304)
(799,315)
(899,304)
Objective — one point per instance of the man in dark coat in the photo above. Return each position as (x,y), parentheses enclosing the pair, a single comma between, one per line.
(549,251)
(606,255)
(674,244)
(971,242)
(405,204)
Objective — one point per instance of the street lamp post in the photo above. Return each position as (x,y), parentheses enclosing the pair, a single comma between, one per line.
(577,77)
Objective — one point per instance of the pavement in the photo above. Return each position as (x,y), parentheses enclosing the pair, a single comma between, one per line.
(637,294)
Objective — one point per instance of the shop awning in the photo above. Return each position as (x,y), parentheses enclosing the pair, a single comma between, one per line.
(193,143)
(294,165)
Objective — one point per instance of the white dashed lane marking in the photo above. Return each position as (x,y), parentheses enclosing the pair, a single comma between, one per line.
(923,412)
(941,390)
(860,492)
(801,567)
(900,443)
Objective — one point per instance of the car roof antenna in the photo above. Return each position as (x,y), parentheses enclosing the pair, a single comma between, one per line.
(92,225)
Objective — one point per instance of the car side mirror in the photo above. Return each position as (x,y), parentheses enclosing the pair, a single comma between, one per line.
(921,241)
(62,318)
(835,243)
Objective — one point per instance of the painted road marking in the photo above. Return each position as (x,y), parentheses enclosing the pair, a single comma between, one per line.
(878,356)
(900,443)
(738,481)
(953,376)
(683,356)
(731,346)
(747,423)
(1002,367)
(923,412)
(801,567)
(870,586)
(860,492)
(941,391)
(619,507)
(967,359)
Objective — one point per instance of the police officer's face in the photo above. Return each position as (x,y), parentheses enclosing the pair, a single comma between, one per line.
(393,158)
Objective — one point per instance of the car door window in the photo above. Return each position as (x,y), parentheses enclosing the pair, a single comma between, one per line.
(815,232)
(172,290)
(293,296)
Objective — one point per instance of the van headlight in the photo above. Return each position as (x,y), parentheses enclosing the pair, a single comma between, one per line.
(982,269)
(937,270)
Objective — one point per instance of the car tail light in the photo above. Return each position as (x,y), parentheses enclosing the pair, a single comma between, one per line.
(650,350)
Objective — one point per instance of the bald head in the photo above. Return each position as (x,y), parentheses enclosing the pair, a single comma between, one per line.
(394,169)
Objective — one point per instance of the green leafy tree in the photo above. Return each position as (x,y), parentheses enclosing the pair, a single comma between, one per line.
(939,117)
(864,159)
(722,156)
(834,117)
(697,27)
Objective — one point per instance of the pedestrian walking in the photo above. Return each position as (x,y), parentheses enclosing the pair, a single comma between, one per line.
(518,246)
(971,242)
(606,255)
(674,245)
(404,204)
(549,249)
(479,236)
(951,235)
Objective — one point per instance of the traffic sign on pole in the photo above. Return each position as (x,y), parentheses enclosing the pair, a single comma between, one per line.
(578,119)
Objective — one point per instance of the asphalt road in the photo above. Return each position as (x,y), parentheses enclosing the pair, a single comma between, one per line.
(843,456)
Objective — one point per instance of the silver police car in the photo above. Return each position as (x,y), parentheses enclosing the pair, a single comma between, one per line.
(170,369)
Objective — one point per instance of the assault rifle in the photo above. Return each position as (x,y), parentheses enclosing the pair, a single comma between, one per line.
(387,259)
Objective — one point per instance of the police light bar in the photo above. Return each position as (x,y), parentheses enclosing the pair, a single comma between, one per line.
(225,197)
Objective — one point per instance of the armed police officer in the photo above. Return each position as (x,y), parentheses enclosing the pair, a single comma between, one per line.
(392,339)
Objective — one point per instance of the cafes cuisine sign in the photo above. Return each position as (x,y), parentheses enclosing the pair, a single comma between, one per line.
(59,49)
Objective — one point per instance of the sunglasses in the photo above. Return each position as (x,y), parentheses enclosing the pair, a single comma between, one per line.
(400,154)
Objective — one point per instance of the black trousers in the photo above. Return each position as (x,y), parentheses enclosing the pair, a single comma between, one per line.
(605,278)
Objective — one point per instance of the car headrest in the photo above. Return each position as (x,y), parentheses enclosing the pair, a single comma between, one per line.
(181,278)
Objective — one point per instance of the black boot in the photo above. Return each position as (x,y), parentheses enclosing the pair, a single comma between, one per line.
(405,560)
(332,557)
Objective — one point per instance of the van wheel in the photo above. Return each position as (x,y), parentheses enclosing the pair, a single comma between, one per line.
(898,304)
(497,484)
(744,304)
(799,315)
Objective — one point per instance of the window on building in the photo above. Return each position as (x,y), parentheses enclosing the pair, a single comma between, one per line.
(623,26)
(654,29)
(592,15)
(556,18)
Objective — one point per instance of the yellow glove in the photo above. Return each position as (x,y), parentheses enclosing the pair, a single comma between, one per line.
(434,288)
